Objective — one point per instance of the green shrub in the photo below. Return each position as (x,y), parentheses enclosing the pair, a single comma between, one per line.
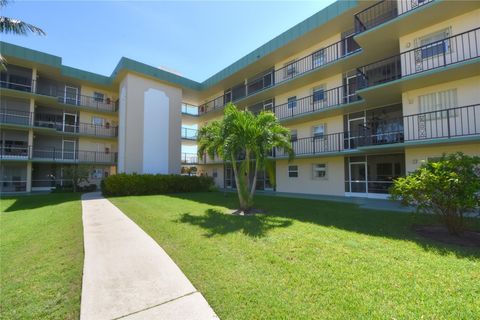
(449,188)
(143,184)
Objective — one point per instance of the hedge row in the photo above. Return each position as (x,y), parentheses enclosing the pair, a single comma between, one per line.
(142,184)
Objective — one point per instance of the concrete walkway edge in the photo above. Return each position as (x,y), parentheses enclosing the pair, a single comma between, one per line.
(127,275)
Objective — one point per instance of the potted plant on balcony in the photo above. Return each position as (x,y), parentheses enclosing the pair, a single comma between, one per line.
(107,125)
(108,100)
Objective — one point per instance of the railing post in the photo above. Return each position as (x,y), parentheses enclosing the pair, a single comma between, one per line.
(444,54)
(448,122)
(313,140)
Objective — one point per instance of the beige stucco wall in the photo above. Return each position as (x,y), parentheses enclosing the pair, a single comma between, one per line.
(333,184)
(133,87)
(415,156)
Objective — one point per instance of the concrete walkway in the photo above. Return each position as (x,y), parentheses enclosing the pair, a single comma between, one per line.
(127,275)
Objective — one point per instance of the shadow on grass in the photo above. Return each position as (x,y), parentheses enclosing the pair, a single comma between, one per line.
(30,202)
(218,223)
(281,211)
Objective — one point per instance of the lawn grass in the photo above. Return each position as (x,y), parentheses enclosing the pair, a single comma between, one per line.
(310,259)
(41,256)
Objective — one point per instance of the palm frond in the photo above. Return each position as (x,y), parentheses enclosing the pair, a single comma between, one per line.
(8,25)
(3,63)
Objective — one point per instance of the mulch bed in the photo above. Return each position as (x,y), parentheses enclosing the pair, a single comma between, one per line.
(440,233)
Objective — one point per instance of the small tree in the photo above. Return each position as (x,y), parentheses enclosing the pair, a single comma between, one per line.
(449,188)
(78,174)
(245,141)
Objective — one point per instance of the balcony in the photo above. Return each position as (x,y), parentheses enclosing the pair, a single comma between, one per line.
(19,151)
(447,124)
(385,11)
(12,186)
(73,156)
(189,109)
(23,118)
(14,117)
(318,101)
(189,134)
(189,158)
(449,59)
(56,155)
(316,60)
(64,97)
(76,128)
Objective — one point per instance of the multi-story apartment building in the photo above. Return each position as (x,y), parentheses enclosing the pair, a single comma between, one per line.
(369,90)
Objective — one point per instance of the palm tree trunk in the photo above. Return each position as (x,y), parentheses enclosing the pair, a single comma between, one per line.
(241,198)
(254,183)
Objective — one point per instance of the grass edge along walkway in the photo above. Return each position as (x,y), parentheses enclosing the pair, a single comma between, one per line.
(41,249)
(309,259)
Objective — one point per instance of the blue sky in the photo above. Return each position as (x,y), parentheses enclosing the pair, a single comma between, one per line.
(195,39)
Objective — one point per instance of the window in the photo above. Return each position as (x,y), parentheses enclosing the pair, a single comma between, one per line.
(268,105)
(292,102)
(438,101)
(318,94)
(319,131)
(214,172)
(293,135)
(434,44)
(227,96)
(290,69)
(97,121)
(97,96)
(293,171)
(319,171)
(318,58)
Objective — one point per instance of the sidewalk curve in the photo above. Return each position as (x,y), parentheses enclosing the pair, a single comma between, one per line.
(127,275)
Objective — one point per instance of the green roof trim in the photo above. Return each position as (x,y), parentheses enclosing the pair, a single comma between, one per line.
(315,21)
(318,19)
(135,66)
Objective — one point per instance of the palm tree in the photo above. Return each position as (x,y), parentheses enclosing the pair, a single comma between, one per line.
(241,134)
(9,25)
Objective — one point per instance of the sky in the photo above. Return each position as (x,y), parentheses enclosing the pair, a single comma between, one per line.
(195,39)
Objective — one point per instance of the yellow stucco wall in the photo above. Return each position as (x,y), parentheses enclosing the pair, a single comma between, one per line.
(209,171)
(88,91)
(415,156)
(305,129)
(328,83)
(468,93)
(86,117)
(298,55)
(458,24)
(333,184)
(88,144)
